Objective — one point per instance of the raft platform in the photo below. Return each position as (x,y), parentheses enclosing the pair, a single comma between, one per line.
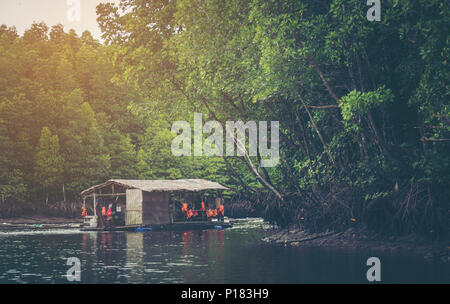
(177,226)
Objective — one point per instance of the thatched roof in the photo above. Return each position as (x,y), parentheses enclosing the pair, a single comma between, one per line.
(193,185)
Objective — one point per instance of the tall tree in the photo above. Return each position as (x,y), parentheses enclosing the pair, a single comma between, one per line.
(49,163)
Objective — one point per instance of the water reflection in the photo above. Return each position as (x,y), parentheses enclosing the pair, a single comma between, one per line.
(226,256)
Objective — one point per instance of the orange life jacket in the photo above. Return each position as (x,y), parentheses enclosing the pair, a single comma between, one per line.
(190,213)
(83,211)
(109,213)
(214,212)
(184,207)
(103,210)
(203,206)
(221,210)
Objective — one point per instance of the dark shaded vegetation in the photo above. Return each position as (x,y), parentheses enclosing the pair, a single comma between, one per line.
(61,209)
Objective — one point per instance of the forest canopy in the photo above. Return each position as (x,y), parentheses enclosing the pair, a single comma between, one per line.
(363,106)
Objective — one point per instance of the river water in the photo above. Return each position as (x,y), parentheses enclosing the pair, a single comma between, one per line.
(233,255)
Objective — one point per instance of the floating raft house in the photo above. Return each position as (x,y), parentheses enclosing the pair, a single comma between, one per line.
(151,203)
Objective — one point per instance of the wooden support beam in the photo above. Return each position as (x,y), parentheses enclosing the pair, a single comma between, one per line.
(106,194)
(95,207)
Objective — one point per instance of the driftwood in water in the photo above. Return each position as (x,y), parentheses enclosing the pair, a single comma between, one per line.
(297,237)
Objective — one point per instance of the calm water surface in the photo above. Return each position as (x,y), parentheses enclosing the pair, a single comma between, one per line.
(234,255)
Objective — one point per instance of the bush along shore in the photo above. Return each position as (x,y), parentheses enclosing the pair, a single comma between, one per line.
(34,215)
(359,238)
(14,209)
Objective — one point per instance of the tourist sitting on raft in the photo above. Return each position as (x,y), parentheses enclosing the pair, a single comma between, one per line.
(107,215)
(190,214)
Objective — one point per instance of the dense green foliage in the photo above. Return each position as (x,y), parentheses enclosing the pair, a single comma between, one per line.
(363,106)
(67,121)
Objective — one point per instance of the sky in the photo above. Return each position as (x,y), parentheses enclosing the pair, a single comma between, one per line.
(22,13)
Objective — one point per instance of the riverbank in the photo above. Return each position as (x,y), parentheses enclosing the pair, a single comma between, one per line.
(38,222)
(25,211)
(361,239)
(39,219)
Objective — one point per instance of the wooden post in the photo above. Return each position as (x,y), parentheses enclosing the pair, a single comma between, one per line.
(95,207)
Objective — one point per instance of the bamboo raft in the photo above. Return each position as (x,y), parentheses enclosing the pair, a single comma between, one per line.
(151,205)
(177,226)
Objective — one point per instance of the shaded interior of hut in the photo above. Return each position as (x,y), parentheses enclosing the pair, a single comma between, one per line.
(193,206)
(187,206)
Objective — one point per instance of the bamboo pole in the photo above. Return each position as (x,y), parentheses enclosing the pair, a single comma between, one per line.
(106,194)
(95,208)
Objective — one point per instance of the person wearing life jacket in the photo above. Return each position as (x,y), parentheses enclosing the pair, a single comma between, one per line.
(221,212)
(109,214)
(203,211)
(211,213)
(83,211)
(190,213)
(184,207)
(104,223)
(98,212)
